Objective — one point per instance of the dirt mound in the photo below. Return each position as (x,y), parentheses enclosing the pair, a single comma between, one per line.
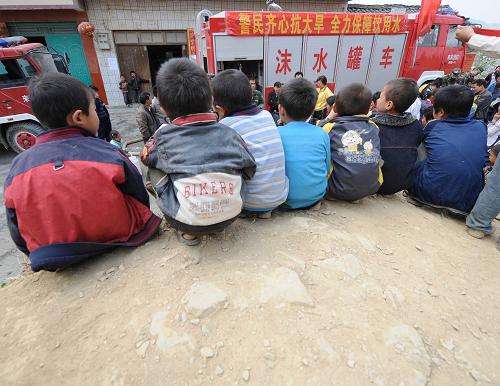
(378,292)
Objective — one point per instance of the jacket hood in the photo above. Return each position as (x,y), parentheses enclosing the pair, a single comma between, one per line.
(394,120)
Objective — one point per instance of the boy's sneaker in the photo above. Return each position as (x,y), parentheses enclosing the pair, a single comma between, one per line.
(316,206)
(265,215)
(476,233)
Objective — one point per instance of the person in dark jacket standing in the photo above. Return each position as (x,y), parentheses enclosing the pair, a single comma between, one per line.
(146,119)
(482,99)
(103,114)
(272,101)
(135,84)
(400,134)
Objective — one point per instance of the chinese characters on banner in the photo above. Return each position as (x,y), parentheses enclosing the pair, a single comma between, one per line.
(354,58)
(191,39)
(283,58)
(320,57)
(386,59)
(304,23)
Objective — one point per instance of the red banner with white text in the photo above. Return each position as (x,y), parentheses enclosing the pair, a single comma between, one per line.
(312,23)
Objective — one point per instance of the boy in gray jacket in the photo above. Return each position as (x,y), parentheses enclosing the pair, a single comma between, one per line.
(355,146)
(201,163)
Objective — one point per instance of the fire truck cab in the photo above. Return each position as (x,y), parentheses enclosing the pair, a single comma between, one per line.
(18,63)
(345,47)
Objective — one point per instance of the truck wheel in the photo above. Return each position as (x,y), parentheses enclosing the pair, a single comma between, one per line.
(22,135)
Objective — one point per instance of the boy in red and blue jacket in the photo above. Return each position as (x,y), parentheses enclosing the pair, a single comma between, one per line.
(72,195)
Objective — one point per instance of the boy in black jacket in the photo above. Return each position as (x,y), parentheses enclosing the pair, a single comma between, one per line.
(400,134)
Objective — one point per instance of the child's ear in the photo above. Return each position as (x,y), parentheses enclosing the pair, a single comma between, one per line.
(334,108)
(281,110)
(439,114)
(75,118)
(220,111)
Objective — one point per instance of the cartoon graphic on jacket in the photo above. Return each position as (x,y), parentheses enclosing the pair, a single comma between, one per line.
(355,152)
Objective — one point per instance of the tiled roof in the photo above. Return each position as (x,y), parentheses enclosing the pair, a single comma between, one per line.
(393,8)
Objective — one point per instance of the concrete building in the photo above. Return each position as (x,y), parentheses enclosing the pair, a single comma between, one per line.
(143,34)
(129,34)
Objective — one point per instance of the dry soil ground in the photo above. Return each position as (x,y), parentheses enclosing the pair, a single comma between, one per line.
(379,292)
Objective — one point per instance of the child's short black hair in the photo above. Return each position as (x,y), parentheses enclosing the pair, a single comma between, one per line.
(54,95)
(232,90)
(376,96)
(322,79)
(402,93)
(298,97)
(183,88)
(114,133)
(331,100)
(480,82)
(144,97)
(277,84)
(428,113)
(353,99)
(456,101)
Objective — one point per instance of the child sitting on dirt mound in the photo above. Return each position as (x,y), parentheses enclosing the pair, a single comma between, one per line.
(355,146)
(268,188)
(73,195)
(307,149)
(197,165)
(451,176)
(400,134)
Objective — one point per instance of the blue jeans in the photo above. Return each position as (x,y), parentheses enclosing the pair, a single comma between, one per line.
(487,205)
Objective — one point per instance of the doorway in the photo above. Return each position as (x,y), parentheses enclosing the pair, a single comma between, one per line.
(160,54)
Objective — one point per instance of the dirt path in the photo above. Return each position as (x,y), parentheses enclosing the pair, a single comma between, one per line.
(378,293)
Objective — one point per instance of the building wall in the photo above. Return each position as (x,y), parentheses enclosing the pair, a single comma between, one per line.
(44,16)
(111,15)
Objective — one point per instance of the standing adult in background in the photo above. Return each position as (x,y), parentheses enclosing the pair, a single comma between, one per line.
(156,108)
(323,94)
(146,119)
(257,97)
(135,84)
(104,131)
(123,86)
(482,99)
(272,101)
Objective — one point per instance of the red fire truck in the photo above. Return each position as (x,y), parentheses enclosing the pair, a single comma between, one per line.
(19,62)
(345,47)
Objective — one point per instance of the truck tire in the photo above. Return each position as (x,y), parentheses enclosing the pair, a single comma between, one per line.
(22,135)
